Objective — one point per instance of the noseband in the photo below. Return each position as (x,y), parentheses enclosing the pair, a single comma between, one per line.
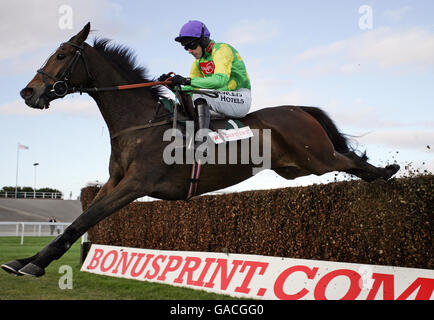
(60,86)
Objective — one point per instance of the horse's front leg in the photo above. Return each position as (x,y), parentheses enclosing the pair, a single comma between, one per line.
(113,200)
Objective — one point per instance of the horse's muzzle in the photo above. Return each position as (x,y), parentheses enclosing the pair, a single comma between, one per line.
(26,93)
(36,98)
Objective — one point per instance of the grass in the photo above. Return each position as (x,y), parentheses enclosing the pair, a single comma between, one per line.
(86,286)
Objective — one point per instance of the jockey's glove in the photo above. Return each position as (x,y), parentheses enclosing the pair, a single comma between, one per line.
(180,80)
(164,77)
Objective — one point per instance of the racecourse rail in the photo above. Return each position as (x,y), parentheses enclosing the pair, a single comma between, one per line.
(30,195)
(20,229)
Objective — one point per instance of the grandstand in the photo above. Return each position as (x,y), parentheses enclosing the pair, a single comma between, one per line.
(36,210)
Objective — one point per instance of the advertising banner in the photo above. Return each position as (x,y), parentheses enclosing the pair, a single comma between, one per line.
(262,277)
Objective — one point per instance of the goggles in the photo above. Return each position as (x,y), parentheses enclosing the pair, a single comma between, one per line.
(191,45)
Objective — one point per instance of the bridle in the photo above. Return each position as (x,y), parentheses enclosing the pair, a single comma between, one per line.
(60,86)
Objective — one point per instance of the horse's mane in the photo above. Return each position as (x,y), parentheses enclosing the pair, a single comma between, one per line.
(125,59)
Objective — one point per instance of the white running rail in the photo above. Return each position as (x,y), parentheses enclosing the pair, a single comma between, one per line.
(31,195)
(20,228)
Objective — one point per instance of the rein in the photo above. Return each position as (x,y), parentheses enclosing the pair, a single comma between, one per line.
(165,83)
(60,86)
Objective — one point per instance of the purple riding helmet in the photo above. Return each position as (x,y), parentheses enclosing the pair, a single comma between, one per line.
(194,32)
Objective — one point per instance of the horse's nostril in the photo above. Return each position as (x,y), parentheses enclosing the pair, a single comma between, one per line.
(26,93)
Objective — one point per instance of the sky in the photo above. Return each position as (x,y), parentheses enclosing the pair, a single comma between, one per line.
(368,64)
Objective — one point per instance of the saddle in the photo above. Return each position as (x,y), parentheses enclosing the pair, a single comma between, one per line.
(223,129)
(183,110)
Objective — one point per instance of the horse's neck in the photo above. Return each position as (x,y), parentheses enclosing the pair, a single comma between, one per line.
(120,109)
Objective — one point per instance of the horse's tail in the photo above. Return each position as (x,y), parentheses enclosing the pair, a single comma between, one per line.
(339,140)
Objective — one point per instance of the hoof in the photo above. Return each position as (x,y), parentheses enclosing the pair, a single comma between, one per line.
(391,170)
(13,267)
(33,270)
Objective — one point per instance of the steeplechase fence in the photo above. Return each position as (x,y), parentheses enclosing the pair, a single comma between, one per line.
(346,240)
(382,223)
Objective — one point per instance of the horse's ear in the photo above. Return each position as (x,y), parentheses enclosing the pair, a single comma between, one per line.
(80,37)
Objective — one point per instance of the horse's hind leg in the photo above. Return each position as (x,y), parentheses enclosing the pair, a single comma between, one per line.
(366,171)
(302,142)
(327,160)
(353,164)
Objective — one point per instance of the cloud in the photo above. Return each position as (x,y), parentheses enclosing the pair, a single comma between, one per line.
(37,24)
(247,32)
(384,48)
(267,91)
(262,99)
(83,107)
(332,49)
(404,138)
(397,14)
(414,47)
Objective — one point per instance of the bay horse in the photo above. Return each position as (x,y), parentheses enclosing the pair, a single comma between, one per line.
(304,140)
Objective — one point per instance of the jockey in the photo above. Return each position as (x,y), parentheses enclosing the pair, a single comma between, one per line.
(217,66)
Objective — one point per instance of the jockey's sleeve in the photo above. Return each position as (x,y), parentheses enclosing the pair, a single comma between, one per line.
(216,81)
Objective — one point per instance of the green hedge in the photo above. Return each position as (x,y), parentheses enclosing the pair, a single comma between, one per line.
(353,221)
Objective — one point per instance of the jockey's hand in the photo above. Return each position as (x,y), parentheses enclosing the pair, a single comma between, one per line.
(180,80)
(164,77)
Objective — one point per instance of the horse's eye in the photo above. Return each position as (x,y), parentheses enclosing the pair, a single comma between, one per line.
(61,56)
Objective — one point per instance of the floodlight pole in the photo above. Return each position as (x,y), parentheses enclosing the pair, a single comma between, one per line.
(19,146)
(34,189)
(16,177)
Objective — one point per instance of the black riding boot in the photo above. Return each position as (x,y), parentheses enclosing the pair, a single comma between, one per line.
(203,119)
(203,114)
